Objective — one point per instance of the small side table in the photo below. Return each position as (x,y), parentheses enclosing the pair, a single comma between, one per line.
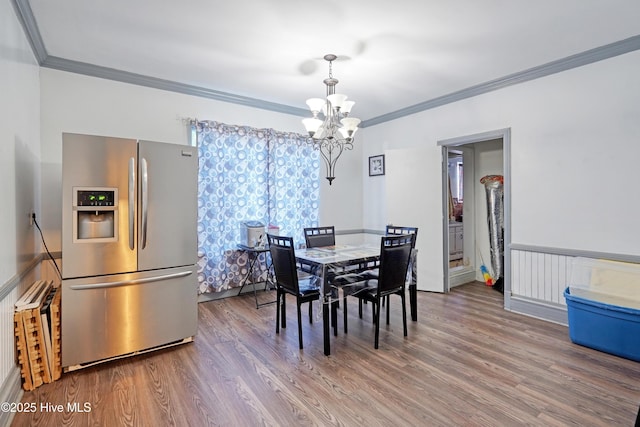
(253,255)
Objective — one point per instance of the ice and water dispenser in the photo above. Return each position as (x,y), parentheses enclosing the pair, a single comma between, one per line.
(95,214)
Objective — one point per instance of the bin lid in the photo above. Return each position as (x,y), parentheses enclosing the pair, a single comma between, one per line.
(253,224)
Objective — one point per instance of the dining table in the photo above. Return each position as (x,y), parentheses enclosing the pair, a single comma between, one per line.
(330,261)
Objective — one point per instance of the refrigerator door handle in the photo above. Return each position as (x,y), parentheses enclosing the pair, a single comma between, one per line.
(132,201)
(129,282)
(144,204)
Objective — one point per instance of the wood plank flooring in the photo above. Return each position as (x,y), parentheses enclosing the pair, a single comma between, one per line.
(466,362)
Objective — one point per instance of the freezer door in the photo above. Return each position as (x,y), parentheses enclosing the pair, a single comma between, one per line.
(90,162)
(167,209)
(110,316)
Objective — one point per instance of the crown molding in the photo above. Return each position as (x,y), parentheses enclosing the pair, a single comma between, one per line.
(583,58)
(62,64)
(25,15)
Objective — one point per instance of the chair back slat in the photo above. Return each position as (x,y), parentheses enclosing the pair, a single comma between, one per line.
(396,230)
(284,261)
(395,254)
(320,236)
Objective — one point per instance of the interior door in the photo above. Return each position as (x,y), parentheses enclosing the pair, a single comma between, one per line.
(167,209)
(413,199)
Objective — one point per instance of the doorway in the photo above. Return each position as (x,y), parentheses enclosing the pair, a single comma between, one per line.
(465,231)
(461,214)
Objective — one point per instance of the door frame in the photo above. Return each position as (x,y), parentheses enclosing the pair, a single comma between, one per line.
(505,135)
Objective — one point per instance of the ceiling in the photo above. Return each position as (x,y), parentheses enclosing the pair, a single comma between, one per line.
(391,55)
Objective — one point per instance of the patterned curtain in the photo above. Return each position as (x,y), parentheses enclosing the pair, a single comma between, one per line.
(249,174)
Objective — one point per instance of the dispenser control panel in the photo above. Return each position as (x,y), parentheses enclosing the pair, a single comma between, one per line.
(95,214)
(95,198)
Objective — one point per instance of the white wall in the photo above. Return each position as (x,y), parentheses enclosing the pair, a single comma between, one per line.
(19,184)
(19,145)
(568,133)
(574,163)
(82,104)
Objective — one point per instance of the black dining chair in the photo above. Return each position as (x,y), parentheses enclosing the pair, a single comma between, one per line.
(320,236)
(286,277)
(391,230)
(395,255)
(395,230)
(316,237)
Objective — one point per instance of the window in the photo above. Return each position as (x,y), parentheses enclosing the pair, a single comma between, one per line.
(250,174)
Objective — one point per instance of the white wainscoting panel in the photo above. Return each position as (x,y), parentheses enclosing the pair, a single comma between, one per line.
(7,339)
(540,276)
(10,381)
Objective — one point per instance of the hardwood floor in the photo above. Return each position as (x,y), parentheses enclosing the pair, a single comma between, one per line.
(466,362)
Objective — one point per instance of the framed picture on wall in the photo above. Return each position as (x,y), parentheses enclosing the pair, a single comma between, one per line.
(376,165)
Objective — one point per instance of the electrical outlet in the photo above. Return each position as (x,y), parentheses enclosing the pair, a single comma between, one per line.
(32,217)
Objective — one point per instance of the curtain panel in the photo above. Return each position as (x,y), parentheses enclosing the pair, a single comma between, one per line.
(250,174)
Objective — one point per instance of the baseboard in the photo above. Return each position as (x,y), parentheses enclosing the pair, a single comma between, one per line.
(11,392)
(461,277)
(213,296)
(555,313)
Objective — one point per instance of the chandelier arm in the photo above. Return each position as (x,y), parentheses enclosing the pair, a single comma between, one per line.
(326,152)
(328,149)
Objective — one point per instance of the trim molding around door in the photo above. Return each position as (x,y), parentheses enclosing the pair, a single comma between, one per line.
(505,135)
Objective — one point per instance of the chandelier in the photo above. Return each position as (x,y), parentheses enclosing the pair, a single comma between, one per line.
(331,129)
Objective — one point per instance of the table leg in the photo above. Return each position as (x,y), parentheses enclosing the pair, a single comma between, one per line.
(326,324)
(413,287)
(413,302)
(326,302)
(250,261)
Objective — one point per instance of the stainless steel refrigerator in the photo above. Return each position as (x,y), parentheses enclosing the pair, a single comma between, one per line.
(129,242)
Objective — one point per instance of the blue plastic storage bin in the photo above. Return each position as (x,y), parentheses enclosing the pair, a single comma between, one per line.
(604,327)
